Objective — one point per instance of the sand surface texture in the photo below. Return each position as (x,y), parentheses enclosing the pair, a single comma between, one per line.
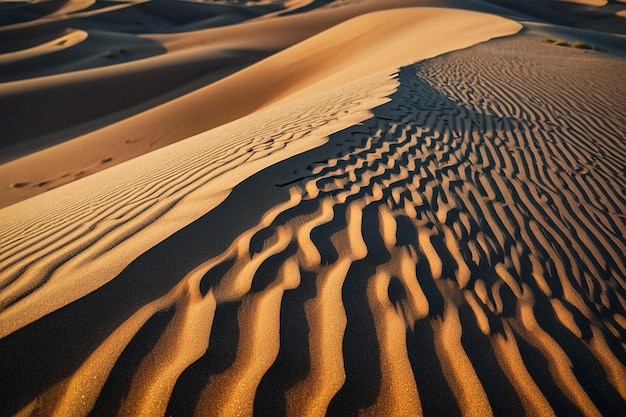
(312,208)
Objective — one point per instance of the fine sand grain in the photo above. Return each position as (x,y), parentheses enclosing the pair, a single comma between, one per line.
(405,212)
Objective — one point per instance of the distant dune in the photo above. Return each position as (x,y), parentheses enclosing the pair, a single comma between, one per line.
(309,208)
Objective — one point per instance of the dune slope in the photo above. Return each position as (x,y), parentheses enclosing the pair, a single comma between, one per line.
(348,51)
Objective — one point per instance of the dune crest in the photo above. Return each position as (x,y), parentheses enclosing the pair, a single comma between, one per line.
(62,42)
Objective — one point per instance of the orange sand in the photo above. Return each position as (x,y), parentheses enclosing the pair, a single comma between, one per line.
(308,209)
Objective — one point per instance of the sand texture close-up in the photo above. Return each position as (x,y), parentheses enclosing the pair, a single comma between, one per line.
(312,208)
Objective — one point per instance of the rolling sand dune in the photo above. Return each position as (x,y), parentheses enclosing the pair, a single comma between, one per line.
(408,213)
(597,15)
(350,50)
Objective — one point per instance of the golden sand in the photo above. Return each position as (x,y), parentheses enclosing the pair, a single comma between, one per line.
(291,208)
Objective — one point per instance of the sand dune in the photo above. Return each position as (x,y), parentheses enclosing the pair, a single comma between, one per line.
(597,15)
(405,217)
(348,51)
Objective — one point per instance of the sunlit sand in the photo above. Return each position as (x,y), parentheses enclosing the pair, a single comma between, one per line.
(309,208)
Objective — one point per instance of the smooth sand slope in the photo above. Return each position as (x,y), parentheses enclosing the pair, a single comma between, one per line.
(405,217)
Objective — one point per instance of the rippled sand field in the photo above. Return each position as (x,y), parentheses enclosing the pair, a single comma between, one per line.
(310,208)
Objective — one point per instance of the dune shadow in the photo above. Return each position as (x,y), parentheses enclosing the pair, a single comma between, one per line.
(587,369)
(435,393)
(293,362)
(26,11)
(118,383)
(117,98)
(220,355)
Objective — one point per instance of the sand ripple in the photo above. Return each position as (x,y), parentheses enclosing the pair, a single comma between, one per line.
(462,252)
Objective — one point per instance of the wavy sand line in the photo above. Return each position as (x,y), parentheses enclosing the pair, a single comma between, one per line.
(510,359)
(457,367)
(93,373)
(398,390)
(560,365)
(233,391)
(328,321)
